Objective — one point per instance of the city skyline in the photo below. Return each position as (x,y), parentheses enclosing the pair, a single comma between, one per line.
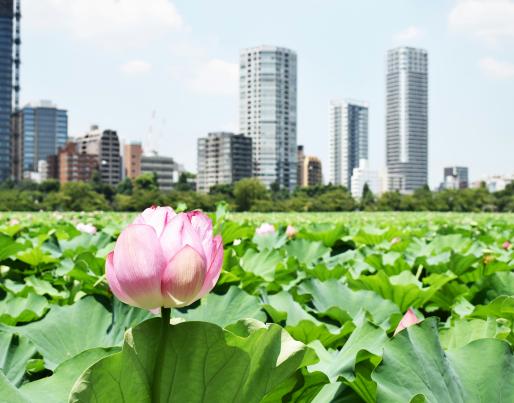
(190,69)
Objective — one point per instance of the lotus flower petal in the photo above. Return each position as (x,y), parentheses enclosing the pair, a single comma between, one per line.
(183,277)
(139,262)
(409,319)
(214,270)
(156,217)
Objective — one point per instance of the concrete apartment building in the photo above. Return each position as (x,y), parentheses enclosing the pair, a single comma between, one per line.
(166,169)
(106,146)
(71,165)
(223,158)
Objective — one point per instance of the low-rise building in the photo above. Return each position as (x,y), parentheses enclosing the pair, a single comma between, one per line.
(455,178)
(362,176)
(165,168)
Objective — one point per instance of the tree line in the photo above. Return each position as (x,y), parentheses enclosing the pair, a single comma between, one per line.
(246,195)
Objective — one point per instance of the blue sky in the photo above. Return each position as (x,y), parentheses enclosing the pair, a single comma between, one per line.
(165,72)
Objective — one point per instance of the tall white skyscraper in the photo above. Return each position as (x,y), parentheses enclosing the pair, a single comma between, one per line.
(348,139)
(407,119)
(267,85)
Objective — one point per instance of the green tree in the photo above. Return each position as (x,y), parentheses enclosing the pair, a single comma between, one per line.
(125,187)
(146,181)
(247,192)
(50,185)
(367,201)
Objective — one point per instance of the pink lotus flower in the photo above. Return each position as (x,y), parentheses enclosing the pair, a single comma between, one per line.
(395,240)
(87,228)
(291,231)
(265,229)
(164,259)
(14,221)
(408,319)
(506,245)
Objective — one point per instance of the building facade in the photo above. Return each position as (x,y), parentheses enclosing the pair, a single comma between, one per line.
(407,119)
(6,85)
(312,174)
(268,108)
(165,168)
(455,178)
(132,154)
(363,175)
(44,129)
(223,158)
(72,165)
(348,139)
(106,146)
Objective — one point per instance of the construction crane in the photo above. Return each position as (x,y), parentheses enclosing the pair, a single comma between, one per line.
(17,59)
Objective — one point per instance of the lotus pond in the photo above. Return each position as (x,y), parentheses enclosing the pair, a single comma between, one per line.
(298,316)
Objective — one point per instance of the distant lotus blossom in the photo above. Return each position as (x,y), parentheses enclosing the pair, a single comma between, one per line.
(14,221)
(87,228)
(164,259)
(506,245)
(408,319)
(291,231)
(236,242)
(395,240)
(265,229)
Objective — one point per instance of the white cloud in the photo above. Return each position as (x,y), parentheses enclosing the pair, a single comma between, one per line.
(488,20)
(127,21)
(135,67)
(215,77)
(497,69)
(409,34)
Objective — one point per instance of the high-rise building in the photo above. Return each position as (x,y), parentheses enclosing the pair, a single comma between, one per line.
(132,154)
(407,118)
(268,104)
(348,139)
(106,146)
(361,176)
(44,129)
(165,168)
(455,178)
(6,86)
(300,157)
(223,158)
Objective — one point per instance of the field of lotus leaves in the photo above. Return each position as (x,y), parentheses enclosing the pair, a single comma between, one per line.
(302,312)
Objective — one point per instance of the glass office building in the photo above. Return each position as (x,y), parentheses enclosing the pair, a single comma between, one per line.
(268,98)
(6,88)
(45,129)
(407,119)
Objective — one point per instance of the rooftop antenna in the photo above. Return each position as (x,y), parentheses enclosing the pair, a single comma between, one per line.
(17,59)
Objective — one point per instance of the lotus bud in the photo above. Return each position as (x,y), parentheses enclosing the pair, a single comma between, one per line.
(409,319)
(291,231)
(87,228)
(265,229)
(506,245)
(164,259)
